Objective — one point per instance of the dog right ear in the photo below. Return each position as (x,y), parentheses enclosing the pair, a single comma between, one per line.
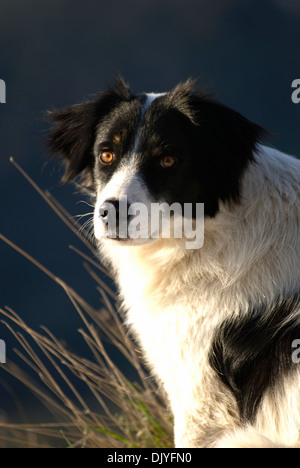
(73,132)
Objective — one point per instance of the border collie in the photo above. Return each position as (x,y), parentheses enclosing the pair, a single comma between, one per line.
(216,324)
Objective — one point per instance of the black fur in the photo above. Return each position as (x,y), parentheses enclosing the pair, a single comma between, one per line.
(213,144)
(75,127)
(252,350)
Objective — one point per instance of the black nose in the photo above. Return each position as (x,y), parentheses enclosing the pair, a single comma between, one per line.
(109,208)
(114,215)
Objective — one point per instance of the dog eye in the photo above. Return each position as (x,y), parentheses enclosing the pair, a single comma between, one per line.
(106,157)
(167,161)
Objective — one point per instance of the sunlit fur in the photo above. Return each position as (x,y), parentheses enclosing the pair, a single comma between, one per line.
(177,301)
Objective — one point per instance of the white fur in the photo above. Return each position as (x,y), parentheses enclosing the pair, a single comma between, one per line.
(174,298)
(149,98)
(125,182)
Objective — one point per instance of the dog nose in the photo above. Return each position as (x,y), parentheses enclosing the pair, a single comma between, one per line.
(114,216)
(107,207)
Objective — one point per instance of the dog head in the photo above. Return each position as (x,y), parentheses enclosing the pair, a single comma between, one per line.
(180,147)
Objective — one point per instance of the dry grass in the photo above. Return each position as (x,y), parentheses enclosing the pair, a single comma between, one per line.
(122,413)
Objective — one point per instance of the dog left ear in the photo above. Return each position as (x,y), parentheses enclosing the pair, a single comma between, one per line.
(73,133)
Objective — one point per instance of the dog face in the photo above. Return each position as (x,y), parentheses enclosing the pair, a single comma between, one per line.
(177,147)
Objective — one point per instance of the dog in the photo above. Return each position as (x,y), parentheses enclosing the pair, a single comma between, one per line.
(217,324)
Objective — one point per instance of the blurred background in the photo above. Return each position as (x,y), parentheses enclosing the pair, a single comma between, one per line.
(57,53)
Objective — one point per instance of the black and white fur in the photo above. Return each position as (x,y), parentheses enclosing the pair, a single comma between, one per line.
(216,324)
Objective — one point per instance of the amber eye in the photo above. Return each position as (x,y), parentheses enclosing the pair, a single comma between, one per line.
(167,161)
(107,157)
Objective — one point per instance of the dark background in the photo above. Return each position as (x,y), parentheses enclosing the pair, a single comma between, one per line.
(57,53)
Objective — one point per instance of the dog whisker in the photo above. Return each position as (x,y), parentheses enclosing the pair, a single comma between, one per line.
(216,322)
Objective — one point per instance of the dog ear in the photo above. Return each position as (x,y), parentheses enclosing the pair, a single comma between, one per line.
(230,142)
(73,132)
(225,143)
(232,137)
